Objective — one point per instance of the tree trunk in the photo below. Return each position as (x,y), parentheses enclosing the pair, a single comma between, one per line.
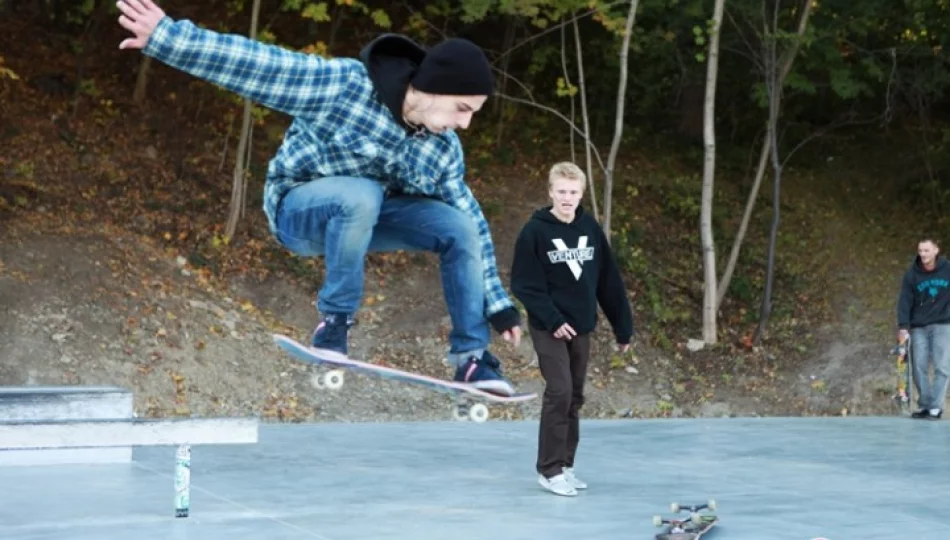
(567,82)
(618,126)
(141,82)
(586,117)
(500,107)
(709,170)
(766,309)
(746,216)
(238,186)
(775,96)
(787,60)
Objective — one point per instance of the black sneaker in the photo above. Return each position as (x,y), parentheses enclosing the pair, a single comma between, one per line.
(922,413)
(330,334)
(484,373)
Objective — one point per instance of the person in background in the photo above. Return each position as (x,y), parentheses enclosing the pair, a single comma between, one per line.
(563,268)
(923,312)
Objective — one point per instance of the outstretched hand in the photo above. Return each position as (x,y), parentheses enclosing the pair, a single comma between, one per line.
(139,17)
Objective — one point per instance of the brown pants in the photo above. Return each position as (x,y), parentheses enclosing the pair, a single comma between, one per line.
(564,368)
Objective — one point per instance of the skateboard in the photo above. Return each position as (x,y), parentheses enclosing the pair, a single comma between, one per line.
(904,395)
(691,528)
(465,394)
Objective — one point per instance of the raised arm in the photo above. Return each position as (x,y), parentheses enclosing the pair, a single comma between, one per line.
(295,83)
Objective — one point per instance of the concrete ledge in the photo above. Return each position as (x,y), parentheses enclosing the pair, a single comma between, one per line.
(46,434)
(64,402)
(58,403)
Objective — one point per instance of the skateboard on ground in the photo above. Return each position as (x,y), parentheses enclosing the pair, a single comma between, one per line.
(465,394)
(904,396)
(691,528)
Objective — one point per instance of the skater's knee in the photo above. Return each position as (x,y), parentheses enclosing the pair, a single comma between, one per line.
(358,205)
(460,232)
(353,198)
(308,208)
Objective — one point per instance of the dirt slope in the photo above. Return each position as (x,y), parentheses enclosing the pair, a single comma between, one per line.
(107,306)
(112,270)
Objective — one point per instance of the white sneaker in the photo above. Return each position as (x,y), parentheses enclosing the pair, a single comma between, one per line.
(574,481)
(557,485)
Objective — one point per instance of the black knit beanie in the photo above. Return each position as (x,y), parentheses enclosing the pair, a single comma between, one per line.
(455,67)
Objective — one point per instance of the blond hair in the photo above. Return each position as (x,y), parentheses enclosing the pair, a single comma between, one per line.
(568,171)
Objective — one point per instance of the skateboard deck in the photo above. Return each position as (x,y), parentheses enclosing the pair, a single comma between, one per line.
(903,398)
(693,527)
(333,379)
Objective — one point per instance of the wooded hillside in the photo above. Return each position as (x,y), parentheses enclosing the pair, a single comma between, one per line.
(764,168)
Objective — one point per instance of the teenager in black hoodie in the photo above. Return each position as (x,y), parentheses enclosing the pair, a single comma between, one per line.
(923,311)
(562,269)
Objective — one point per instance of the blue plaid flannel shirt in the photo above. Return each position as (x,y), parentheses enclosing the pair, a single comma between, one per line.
(339,127)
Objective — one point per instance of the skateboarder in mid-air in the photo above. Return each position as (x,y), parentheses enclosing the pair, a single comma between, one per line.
(371,162)
(923,310)
(562,269)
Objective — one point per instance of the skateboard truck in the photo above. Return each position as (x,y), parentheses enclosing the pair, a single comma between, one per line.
(690,528)
(331,380)
(476,412)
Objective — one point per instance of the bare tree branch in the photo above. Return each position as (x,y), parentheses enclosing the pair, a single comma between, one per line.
(431,26)
(567,82)
(239,183)
(550,29)
(516,81)
(838,124)
(557,113)
(585,116)
(752,50)
(618,125)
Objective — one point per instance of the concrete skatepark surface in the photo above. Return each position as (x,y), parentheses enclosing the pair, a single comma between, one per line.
(772,478)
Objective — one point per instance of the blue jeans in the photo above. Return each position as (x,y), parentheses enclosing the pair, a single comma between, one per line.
(931,345)
(344,218)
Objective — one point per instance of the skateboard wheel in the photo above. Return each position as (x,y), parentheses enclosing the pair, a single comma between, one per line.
(460,412)
(478,413)
(711,504)
(333,379)
(657,521)
(675,508)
